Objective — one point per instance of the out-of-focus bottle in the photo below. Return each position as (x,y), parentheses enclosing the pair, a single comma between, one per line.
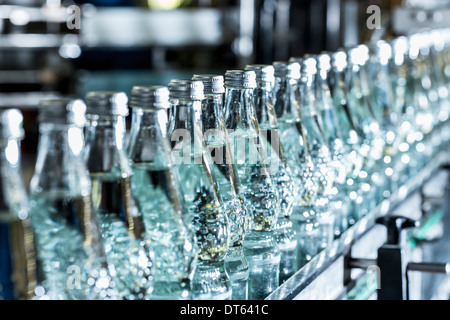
(350,132)
(226,177)
(340,158)
(70,248)
(285,235)
(156,188)
(371,177)
(256,183)
(18,276)
(439,50)
(195,170)
(382,102)
(297,156)
(319,151)
(120,220)
(424,107)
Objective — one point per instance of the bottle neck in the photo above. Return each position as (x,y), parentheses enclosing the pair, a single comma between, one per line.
(287,100)
(59,165)
(148,142)
(264,106)
(307,96)
(185,129)
(212,112)
(105,140)
(110,128)
(13,196)
(322,90)
(239,112)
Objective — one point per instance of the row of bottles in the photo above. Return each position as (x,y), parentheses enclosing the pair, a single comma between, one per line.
(226,185)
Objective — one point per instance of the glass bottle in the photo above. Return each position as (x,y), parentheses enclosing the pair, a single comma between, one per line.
(195,171)
(380,95)
(256,184)
(371,178)
(155,187)
(403,94)
(340,159)
(71,254)
(216,139)
(297,156)
(319,151)
(355,144)
(18,276)
(285,235)
(424,100)
(120,220)
(437,66)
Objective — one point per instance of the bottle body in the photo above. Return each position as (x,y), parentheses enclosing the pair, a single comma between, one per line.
(284,179)
(259,190)
(226,178)
(298,158)
(320,154)
(210,223)
(155,187)
(71,255)
(121,223)
(18,274)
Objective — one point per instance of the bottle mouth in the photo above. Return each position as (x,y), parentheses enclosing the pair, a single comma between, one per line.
(149,97)
(106,103)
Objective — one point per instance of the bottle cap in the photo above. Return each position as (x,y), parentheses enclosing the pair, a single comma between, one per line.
(280,68)
(264,72)
(186,89)
(240,79)
(323,61)
(106,103)
(339,59)
(149,97)
(62,111)
(11,121)
(309,65)
(359,55)
(293,70)
(212,83)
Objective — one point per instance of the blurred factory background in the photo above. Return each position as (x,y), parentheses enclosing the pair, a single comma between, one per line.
(120,43)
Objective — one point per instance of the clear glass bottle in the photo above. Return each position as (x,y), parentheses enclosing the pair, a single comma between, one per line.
(195,170)
(340,158)
(403,94)
(381,97)
(120,220)
(155,186)
(371,178)
(319,151)
(425,112)
(285,235)
(351,133)
(18,276)
(437,65)
(256,184)
(71,253)
(225,174)
(297,156)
